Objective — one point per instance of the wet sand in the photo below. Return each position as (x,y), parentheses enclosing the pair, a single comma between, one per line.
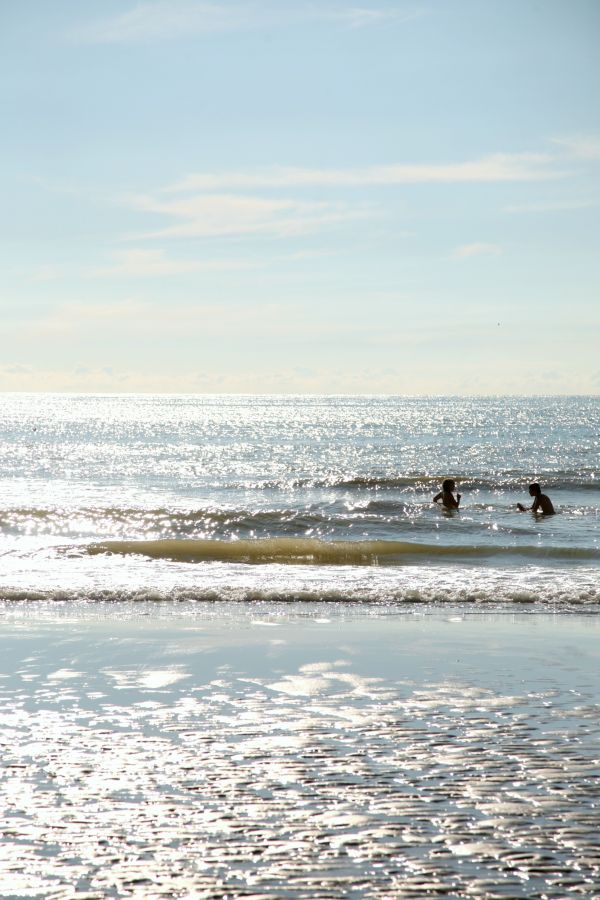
(298,751)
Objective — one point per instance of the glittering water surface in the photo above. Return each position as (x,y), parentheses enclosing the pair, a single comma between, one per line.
(191,489)
(214,751)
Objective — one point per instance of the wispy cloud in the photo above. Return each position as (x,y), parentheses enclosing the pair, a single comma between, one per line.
(582,147)
(169,19)
(142,263)
(141,318)
(361,17)
(213,204)
(499,167)
(164,20)
(214,215)
(208,319)
(466,251)
(559,206)
(155,263)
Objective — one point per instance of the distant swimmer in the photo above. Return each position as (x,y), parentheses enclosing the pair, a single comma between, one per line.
(446,495)
(542,502)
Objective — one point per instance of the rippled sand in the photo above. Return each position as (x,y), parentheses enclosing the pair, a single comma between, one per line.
(315,751)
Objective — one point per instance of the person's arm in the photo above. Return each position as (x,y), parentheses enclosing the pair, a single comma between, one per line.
(536,504)
(437,497)
(458,496)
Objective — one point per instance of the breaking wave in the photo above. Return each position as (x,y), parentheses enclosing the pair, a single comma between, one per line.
(309,551)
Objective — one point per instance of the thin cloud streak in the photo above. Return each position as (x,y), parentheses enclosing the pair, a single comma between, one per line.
(220,215)
(143,263)
(155,263)
(170,19)
(499,167)
(466,251)
(362,17)
(564,206)
(581,147)
(145,320)
(215,205)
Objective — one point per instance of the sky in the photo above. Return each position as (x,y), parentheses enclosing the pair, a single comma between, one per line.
(288,197)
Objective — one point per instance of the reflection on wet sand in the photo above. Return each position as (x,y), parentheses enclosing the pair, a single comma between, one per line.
(315,783)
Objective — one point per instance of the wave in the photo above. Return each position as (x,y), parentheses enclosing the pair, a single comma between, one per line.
(311,551)
(160,518)
(498,594)
(501,482)
(496,481)
(184,522)
(373,481)
(215,522)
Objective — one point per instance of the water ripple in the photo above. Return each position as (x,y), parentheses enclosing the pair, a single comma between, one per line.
(320,783)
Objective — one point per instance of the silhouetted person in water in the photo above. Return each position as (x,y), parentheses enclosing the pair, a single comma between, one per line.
(446,495)
(542,502)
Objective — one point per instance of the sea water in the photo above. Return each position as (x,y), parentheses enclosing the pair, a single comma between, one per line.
(418,718)
(298,498)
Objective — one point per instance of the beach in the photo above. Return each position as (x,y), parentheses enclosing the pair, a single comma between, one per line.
(246,656)
(298,750)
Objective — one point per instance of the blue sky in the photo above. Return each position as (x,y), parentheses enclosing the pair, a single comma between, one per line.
(288,197)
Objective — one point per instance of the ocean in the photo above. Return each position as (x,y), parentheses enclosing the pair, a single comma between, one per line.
(245,657)
(270,497)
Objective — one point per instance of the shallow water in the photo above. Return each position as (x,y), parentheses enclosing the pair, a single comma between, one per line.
(207,750)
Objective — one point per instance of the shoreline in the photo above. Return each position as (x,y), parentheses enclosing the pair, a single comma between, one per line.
(237,750)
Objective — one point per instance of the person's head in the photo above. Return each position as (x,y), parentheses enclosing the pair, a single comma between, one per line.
(448,484)
(534,489)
